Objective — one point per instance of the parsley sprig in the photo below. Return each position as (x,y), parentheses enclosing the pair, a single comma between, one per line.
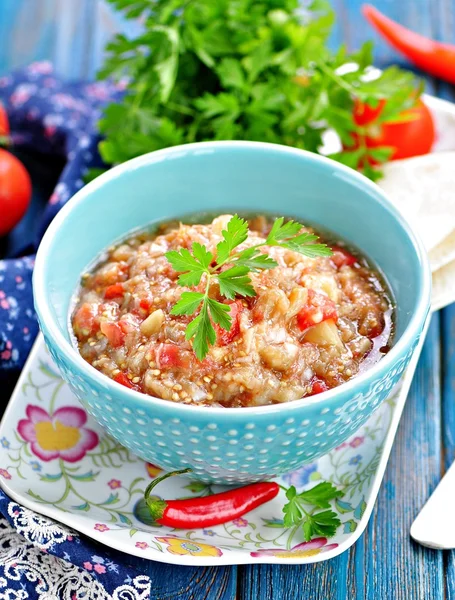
(252,70)
(230,269)
(302,510)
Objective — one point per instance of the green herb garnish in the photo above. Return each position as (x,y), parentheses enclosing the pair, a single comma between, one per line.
(243,70)
(302,510)
(230,270)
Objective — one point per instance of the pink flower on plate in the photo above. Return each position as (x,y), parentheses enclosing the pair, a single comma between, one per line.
(341,446)
(240,522)
(303,550)
(88,565)
(100,569)
(357,441)
(60,435)
(114,484)
(4,473)
(101,527)
(142,545)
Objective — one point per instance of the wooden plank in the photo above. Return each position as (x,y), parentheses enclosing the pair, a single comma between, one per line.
(395,562)
(170,582)
(384,563)
(448,419)
(61,31)
(444,30)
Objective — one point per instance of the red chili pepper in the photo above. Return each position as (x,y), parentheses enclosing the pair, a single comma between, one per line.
(436,58)
(208,511)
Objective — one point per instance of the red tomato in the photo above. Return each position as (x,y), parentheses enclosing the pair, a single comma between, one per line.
(342,257)
(169,356)
(224,337)
(408,138)
(318,386)
(317,309)
(113,332)
(15,191)
(4,123)
(145,304)
(122,378)
(114,291)
(85,320)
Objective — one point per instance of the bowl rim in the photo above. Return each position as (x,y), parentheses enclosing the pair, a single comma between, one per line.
(387,362)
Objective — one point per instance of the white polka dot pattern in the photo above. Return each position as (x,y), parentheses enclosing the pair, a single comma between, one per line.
(224,447)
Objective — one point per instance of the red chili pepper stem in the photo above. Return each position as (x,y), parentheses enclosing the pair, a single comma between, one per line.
(157,507)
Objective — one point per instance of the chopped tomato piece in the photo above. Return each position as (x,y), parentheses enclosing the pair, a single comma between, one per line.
(342,257)
(145,304)
(318,386)
(122,378)
(114,291)
(125,326)
(317,309)
(224,337)
(169,356)
(85,320)
(113,332)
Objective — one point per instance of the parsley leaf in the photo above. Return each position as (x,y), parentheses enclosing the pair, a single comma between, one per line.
(287,235)
(183,261)
(234,235)
(188,304)
(321,495)
(301,510)
(220,313)
(255,260)
(202,330)
(234,280)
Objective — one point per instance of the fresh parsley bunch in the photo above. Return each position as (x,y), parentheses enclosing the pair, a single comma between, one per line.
(301,509)
(244,70)
(230,270)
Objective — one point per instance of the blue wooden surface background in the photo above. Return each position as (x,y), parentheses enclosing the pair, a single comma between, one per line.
(384,563)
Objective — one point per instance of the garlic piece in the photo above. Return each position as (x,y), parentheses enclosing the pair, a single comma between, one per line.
(152,323)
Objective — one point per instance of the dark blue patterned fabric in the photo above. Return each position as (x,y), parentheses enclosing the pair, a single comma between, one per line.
(53,118)
(40,558)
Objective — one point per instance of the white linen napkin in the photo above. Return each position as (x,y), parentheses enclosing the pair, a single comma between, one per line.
(423,190)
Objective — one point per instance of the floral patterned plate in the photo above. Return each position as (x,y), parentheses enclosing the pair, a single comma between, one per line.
(55,460)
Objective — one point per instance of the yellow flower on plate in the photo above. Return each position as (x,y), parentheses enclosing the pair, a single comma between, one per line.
(153,470)
(183,546)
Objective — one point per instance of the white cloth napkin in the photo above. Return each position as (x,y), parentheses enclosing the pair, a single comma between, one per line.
(423,189)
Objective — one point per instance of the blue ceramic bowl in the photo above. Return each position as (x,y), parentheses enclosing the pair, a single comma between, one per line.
(238,444)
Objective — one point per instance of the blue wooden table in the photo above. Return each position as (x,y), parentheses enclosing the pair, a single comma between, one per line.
(384,563)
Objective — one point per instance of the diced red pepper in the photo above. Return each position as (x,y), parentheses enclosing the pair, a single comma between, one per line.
(114,291)
(317,309)
(224,337)
(318,386)
(342,257)
(122,378)
(113,332)
(85,320)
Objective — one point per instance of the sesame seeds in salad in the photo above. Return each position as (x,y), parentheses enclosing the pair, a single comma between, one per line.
(178,315)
